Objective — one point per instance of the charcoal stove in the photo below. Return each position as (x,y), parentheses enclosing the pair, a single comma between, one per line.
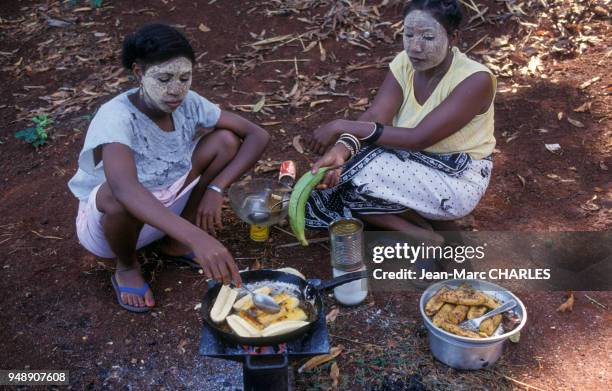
(267,367)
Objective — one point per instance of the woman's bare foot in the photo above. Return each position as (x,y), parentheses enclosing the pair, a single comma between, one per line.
(132,278)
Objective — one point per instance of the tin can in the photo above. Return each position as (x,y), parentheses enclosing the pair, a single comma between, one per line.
(287,173)
(259,233)
(346,239)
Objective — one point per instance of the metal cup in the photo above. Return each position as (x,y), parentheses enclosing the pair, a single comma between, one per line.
(346,238)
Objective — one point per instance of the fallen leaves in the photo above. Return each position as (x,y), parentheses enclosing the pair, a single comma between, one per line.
(297,144)
(332,315)
(589,82)
(181,346)
(568,305)
(575,122)
(266,166)
(552,147)
(590,205)
(259,105)
(583,108)
(334,374)
(321,359)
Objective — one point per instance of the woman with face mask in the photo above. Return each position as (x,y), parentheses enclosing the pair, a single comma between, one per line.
(423,148)
(157,160)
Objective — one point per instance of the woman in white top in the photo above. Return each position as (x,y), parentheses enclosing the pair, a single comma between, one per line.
(146,171)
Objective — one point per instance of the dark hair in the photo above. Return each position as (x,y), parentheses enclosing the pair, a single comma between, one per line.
(447,12)
(154,43)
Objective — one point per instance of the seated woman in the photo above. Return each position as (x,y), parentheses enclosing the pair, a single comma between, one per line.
(423,149)
(146,171)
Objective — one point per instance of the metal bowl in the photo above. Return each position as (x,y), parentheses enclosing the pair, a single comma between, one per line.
(463,352)
(260,201)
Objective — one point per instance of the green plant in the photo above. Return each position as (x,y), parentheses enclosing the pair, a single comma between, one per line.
(95,3)
(36,135)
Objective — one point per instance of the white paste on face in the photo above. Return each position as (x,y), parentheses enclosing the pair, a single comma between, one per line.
(425,40)
(165,83)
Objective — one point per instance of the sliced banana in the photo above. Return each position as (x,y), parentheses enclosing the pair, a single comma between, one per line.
(296,314)
(293,271)
(223,304)
(283,327)
(242,327)
(246,302)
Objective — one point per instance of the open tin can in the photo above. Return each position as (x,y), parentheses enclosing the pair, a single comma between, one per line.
(346,239)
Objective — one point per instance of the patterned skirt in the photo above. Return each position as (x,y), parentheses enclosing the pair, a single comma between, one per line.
(381,180)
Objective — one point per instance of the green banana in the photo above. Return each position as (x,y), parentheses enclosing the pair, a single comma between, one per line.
(297,203)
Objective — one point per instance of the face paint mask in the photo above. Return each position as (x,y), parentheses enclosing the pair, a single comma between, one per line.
(425,40)
(165,85)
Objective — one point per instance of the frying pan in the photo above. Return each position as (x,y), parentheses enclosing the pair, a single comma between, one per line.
(308,291)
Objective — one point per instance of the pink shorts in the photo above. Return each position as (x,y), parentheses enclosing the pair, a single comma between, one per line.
(89,219)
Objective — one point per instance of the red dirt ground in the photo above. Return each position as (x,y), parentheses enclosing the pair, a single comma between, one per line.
(58,306)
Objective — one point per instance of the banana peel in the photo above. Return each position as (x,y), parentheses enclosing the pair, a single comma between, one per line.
(297,203)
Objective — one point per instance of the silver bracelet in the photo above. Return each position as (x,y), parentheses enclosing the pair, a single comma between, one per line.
(354,139)
(371,134)
(215,188)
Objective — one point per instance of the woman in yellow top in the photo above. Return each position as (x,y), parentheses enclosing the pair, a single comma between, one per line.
(423,147)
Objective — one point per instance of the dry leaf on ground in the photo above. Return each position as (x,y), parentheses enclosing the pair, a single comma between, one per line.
(259,105)
(575,122)
(334,374)
(321,359)
(332,315)
(203,28)
(568,306)
(297,144)
(583,108)
(590,205)
(553,147)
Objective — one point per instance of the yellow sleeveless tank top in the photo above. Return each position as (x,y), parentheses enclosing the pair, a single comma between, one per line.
(476,138)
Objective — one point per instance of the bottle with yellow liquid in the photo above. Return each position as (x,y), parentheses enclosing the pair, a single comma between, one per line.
(259,233)
(286,175)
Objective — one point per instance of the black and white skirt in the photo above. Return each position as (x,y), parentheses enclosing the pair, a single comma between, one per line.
(381,180)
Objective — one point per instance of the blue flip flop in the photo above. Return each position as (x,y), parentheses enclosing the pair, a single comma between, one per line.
(187,259)
(137,291)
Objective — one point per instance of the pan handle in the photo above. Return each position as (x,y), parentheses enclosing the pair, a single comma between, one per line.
(343,279)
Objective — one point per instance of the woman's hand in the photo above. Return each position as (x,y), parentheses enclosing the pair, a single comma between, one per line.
(334,157)
(324,136)
(208,215)
(215,259)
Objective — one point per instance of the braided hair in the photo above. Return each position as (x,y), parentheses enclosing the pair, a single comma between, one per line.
(155,43)
(447,12)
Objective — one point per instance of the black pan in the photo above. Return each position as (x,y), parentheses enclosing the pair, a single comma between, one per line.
(308,291)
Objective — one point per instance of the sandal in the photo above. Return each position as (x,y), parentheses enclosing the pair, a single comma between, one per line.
(124,289)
